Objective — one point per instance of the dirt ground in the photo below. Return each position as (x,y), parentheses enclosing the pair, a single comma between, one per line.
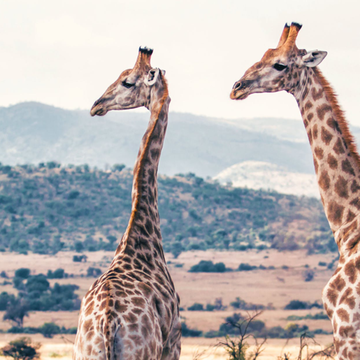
(276,287)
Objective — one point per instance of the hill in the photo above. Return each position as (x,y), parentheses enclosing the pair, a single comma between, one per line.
(262,175)
(33,133)
(48,208)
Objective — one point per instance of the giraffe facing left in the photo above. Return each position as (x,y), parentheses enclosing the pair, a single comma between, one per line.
(132,311)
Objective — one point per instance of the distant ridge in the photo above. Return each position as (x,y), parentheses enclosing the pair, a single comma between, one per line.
(33,132)
(261,175)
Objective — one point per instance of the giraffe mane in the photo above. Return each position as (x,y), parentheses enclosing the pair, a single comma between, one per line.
(339,114)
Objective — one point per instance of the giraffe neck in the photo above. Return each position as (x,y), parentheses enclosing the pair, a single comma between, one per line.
(143,231)
(336,161)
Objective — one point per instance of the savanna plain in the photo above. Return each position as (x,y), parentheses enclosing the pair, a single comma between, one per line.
(276,279)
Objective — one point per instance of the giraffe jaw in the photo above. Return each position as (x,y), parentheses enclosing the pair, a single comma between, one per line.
(97,111)
(239,94)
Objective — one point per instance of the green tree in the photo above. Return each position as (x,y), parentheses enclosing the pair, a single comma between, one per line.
(49,329)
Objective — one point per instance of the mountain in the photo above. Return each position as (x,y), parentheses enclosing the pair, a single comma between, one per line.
(262,175)
(34,133)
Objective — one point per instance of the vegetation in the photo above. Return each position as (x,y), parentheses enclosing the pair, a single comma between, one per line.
(318,316)
(48,208)
(301,305)
(21,349)
(36,294)
(234,326)
(208,266)
(48,330)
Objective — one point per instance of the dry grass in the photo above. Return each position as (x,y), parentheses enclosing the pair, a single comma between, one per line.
(277,286)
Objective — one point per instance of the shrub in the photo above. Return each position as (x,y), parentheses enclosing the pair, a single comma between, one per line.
(246,267)
(208,266)
(21,348)
(322,263)
(93,272)
(50,329)
(296,305)
(57,274)
(196,307)
(308,275)
(187,332)
(23,273)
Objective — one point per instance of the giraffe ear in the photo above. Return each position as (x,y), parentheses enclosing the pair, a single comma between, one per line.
(314,58)
(152,77)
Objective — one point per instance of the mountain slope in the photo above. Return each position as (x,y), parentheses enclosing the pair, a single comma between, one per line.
(262,175)
(34,133)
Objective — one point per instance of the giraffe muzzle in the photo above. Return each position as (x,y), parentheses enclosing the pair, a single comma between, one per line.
(240,90)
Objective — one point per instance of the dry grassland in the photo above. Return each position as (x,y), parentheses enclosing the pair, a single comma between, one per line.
(276,287)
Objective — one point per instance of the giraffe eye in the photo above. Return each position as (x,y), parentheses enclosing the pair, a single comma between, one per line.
(279,67)
(127,85)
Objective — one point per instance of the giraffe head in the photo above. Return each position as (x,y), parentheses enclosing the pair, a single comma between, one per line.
(134,88)
(279,69)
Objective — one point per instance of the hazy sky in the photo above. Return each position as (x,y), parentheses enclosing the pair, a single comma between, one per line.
(65,53)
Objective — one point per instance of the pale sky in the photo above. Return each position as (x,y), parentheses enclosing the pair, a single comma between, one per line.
(65,53)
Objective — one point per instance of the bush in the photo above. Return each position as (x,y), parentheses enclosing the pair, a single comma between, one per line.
(21,348)
(57,274)
(187,332)
(23,273)
(50,329)
(196,307)
(93,272)
(246,267)
(308,275)
(296,305)
(208,266)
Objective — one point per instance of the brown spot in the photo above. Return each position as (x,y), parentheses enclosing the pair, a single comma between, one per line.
(138,301)
(350,216)
(88,325)
(332,162)
(356,203)
(120,308)
(315,132)
(346,166)
(322,110)
(324,181)
(335,212)
(89,309)
(308,105)
(352,245)
(341,187)
(310,116)
(317,94)
(354,187)
(343,315)
(331,122)
(346,331)
(319,152)
(338,147)
(326,136)
(305,93)
(335,287)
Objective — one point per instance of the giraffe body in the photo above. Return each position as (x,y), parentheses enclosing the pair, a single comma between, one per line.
(132,311)
(337,166)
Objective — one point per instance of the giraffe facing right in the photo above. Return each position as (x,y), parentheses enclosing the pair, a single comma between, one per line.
(337,165)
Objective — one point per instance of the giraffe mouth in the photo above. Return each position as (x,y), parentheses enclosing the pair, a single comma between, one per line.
(99,111)
(239,94)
